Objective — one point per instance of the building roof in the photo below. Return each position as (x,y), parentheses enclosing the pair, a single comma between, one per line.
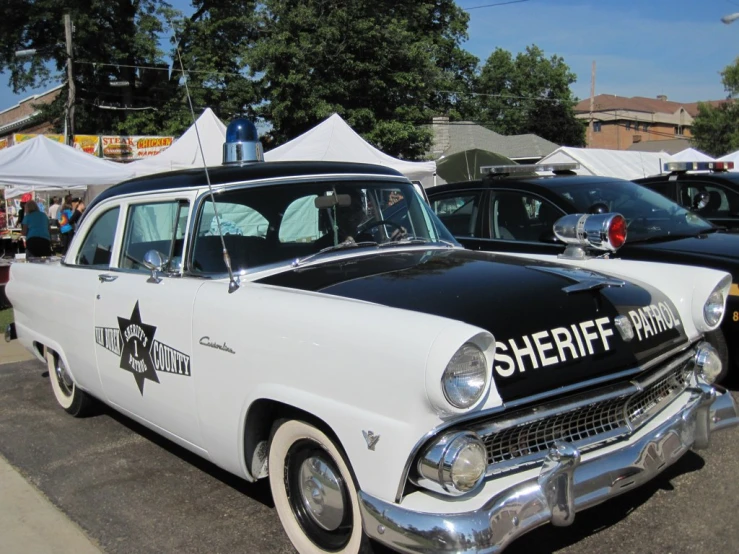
(610,102)
(671,146)
(25,112)
(466,135)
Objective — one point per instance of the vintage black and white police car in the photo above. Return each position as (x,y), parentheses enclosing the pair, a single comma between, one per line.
(387,382)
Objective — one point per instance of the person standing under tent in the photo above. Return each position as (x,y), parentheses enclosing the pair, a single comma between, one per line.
(35,231)
(66,229)
(53,209)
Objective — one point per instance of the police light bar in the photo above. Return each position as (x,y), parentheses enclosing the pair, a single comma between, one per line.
(598,231)
(698,166)
(508,169)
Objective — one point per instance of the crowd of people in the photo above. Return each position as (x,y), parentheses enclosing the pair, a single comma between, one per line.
(37,224)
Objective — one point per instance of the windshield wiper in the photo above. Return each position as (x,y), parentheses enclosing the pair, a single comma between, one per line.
(333,248)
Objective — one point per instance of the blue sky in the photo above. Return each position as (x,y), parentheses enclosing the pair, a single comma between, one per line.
(641,47)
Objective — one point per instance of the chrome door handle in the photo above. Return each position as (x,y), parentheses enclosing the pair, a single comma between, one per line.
(105,278)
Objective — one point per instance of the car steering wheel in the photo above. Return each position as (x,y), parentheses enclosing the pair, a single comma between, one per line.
(401,230)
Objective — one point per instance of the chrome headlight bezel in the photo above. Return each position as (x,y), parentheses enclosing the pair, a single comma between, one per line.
(436,467)
(707,361)
(477,380)
(714,307)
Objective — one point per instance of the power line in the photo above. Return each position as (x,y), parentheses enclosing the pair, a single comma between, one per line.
(493,5)
(159,68)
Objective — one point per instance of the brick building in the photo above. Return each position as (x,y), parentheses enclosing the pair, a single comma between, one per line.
(24,116)
(619,122)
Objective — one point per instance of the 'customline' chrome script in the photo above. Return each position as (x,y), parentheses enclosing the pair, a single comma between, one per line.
(205,341)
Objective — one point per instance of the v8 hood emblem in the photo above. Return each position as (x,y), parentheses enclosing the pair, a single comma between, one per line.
(584,278)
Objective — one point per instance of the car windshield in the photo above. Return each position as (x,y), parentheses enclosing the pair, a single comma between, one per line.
(649,215)
(296,221)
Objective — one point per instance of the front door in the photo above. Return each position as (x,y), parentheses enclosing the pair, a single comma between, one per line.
(143,328)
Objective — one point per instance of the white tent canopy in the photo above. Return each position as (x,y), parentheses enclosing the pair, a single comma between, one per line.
(691,155)
(334,140)
(41,164)
(731,157)
(624,164)
(185,152)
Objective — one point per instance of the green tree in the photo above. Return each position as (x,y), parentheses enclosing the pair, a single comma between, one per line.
(716,128)
(126,83)
(386,66)
(529,94)
(111,40)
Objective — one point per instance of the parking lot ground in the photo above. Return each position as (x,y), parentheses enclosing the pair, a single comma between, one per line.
(131,491)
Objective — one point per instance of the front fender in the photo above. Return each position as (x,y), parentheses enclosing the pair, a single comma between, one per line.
(378,467)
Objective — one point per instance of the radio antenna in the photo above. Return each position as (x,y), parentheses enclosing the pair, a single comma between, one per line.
(233,281)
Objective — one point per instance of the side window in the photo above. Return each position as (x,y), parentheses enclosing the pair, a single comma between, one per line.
(522,217)
(156,226)
(721,201)
(236,219)
(458,212)
(662,187)
(97,248)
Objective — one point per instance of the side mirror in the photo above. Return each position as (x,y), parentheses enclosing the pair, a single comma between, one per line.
(154,261)
(700,200)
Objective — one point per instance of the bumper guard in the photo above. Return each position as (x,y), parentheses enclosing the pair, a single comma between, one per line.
(565,485)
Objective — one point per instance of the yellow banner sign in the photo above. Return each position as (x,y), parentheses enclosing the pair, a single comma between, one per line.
(88,143)
(20,137)
(134,148)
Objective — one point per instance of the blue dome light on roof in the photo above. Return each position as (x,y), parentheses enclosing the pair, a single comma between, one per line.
(242,143)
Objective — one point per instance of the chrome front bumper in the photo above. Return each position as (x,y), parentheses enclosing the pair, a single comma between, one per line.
(565,485)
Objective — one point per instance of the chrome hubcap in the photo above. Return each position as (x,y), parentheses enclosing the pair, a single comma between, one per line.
(63,378)
(320,492)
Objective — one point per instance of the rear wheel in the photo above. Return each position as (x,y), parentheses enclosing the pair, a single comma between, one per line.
(74,401)
(313,491)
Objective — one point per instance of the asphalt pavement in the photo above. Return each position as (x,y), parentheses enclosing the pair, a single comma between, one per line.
(105,483)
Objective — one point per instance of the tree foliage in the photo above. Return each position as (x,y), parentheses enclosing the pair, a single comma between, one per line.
(716,128)
(386,66)
(126,82)
(529,94)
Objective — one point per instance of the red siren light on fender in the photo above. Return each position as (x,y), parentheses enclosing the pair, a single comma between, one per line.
(579,232)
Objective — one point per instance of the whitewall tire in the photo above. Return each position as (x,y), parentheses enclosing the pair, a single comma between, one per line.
(74,401)
(314,492)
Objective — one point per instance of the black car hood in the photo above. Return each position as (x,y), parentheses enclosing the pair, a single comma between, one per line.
(709,247)
(546,337)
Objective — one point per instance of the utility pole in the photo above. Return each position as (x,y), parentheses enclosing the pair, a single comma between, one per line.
(70,81)
(592,105)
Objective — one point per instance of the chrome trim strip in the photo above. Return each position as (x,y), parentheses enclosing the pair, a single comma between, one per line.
(565,485)
(529,400)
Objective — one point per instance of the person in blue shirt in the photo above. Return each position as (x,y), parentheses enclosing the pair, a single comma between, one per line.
(64,216)
(35,230)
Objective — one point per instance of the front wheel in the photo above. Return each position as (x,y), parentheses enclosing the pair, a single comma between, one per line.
(74,401)
(313,491)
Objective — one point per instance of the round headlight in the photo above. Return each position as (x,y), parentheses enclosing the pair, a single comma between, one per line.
(713,309)
(465,377)
(708,362)
(469,466)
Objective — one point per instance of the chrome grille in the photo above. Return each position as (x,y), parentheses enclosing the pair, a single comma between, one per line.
(584,426)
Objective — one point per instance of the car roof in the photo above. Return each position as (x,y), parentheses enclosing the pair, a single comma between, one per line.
(547,181)
(719,176)
(220,175)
